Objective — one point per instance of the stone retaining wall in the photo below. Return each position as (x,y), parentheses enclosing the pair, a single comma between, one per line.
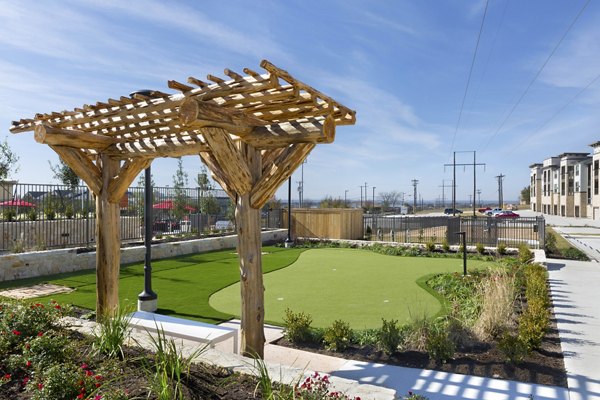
(42,263)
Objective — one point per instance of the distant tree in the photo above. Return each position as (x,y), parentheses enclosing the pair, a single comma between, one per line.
(389,200)
(64,174)
(273,204)
(141,182)
(330,202)
(203,181)
(526,194)
(180,181)
(8,161)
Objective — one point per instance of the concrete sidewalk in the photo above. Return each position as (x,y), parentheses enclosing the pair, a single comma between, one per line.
(576,300)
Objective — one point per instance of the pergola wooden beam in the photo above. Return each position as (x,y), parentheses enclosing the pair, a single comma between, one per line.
(279,170)
(82,166)
(251,131)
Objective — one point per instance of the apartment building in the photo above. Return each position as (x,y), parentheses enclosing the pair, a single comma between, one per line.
(565,185)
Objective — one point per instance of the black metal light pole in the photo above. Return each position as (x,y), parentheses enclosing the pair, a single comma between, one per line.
(288,241)
(464,246)
(147,300)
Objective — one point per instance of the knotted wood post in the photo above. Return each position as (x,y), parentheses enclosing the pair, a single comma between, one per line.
(108,243)
(249,249)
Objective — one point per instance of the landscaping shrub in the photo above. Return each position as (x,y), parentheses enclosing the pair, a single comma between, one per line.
(533,324)
(50,213)
(430,246)
(573,253)
(461,291)
(66,382)
(297,326)
(32,215)
(438,345)
(512,347)
(445,246)
(480,248)
(9,215)
(550,242)
(524,253)
(365,337)
(501,249)
(535,319)
(69,212)
(389,336)
(338,336)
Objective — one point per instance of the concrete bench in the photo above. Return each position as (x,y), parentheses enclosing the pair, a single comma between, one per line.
(183,328)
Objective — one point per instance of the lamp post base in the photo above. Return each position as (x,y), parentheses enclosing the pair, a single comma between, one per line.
(150,305)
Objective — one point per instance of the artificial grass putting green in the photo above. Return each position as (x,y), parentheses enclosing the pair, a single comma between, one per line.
(356,286)
(183,284)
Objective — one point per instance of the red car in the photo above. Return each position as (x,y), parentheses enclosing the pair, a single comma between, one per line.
(506,214)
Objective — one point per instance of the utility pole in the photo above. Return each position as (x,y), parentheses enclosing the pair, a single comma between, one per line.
(415,182)
(373,208)
(366,200)
(345,198)
(474,165)
(443,186)
(500,199)
(479,197)
(470,198)
(361,197)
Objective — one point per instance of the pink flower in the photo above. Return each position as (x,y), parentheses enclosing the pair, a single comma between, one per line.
(97,397)
(25,380)
(84,366)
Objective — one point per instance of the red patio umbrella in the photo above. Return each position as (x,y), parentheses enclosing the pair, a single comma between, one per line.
(168,205)
(16,203)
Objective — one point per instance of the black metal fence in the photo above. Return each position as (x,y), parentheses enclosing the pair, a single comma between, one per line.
(42,216)
(488,231)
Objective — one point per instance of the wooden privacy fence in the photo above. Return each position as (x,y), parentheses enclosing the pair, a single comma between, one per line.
(327,223)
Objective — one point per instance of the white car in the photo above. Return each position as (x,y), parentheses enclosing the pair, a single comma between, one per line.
(493,212)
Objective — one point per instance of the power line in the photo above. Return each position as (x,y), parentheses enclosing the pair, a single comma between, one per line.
(529,136)
(514,107)
(462,105)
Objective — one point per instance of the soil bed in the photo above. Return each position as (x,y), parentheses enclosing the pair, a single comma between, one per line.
(544,366)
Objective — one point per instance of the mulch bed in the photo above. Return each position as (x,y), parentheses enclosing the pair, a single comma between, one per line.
(544,366)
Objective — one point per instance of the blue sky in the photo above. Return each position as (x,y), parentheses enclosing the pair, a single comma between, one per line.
(402,65)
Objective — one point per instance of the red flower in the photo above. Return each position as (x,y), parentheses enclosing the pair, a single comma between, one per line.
(98,377)
(98,385)
(7,377)
(16,332)
(80,396)
(40,386)
(40,334)
(25,380)
(28,364)
(84,366)
(57,307)
(88,373)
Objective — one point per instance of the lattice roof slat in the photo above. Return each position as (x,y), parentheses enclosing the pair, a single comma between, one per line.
(275,98)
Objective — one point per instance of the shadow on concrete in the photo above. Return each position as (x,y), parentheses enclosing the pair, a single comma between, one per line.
(438,385)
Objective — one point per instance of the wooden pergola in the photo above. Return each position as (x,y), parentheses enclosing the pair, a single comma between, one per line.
(252,131)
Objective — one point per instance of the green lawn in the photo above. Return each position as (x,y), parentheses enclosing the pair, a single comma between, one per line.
(183,284)
(357,286)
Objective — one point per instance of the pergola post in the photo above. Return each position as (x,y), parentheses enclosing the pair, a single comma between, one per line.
(108,243)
